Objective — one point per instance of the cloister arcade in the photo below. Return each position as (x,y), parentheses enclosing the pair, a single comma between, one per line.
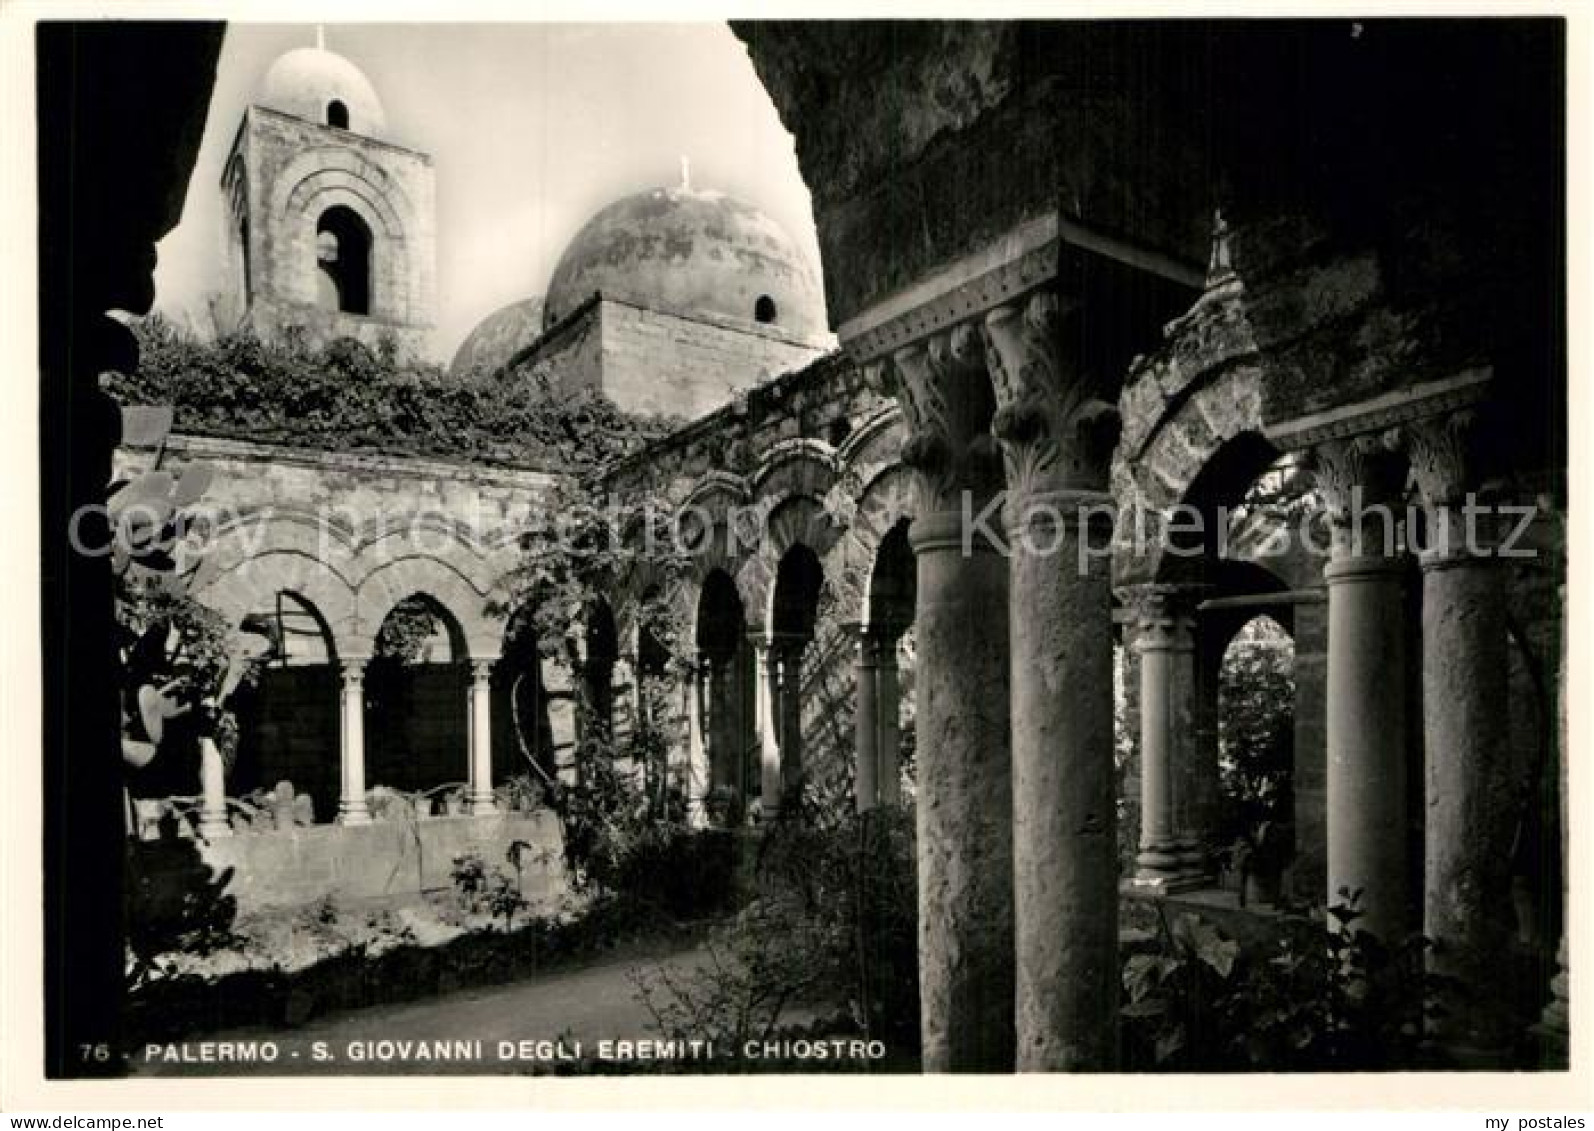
(1027,336)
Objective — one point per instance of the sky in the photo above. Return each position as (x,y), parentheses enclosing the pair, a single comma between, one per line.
(531,127)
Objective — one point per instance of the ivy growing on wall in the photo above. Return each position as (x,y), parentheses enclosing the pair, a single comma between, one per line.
(346,397)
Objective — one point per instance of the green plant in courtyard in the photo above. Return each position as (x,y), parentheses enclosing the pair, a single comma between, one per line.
(827,944)
(1317,999)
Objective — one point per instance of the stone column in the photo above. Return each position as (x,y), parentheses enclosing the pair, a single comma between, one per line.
(1057,440)
(1366,735)
(766,716)
(888,713)
(1554,1027)
(965,793)
(351,802)
(724,741)
(790,657)
(866,721)
(213,822)
(479,798)
(697,770)
(1164,643)
(1470,793)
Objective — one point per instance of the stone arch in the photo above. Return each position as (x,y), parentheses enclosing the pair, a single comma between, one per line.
(1152,476)
(706,521)
(282,529)
(875,442)
(391,582)
(793,520)
(314,170)
(430,535)
(343,258)
(883,502)
(324,179)
(240,589)
(798,466)
(715,484)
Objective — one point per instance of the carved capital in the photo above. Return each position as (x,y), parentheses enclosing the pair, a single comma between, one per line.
(1361,478)
(1055,433)
(1364,470)
(1440,450)
(353,672)
(1164,615)
(481,671)
(941,383)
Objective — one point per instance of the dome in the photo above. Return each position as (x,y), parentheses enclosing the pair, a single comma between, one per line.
(312,83)
(690,252)
(498,337)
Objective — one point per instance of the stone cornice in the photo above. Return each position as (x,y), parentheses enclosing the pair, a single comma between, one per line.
(1384,412)
(1026,257)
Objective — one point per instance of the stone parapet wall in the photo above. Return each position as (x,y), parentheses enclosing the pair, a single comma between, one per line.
(293,867)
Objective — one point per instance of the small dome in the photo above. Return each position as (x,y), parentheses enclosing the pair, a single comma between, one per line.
(318,86)
(499,337)
(678,249)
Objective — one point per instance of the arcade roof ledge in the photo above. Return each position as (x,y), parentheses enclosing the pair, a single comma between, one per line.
(1026,257)
(1383,412)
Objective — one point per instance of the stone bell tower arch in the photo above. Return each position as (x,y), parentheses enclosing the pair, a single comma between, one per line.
(330,228)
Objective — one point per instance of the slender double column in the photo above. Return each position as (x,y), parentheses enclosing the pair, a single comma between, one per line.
(766,718)
(1367,735)
(790,701)
(1057,439)
(213,819)
(1469,788)
(352,809)
(878,727)
(866,720)
(888,714)
(965,794)
(697,740)
(479,797)
(1164,640)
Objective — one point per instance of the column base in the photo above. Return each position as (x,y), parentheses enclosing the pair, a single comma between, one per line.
(1159,885)
(481,804)
(213,827)
(1195,866)
(353,813)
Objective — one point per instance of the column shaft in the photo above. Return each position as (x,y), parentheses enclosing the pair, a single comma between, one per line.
(867,725)
(1367,740)
(1064,794)
(213,820)
(1057,441)
(697,744)
(1366,735)
(479,797)
(888,712)
(965,803)
(1158,862)
(352,809)
(791,720)
(1469,824)
(767,719)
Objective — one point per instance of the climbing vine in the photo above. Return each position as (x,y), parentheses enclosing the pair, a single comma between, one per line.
(346,397)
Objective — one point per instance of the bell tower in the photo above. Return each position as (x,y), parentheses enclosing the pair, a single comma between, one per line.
(330,228)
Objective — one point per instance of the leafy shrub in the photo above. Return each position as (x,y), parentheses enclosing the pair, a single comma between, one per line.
(831,931)
(1256,739)
(1322,1000)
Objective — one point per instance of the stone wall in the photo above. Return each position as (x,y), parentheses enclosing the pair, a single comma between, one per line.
(663,362)
(353,534)
(283,174)
(659,362)
(285,868)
